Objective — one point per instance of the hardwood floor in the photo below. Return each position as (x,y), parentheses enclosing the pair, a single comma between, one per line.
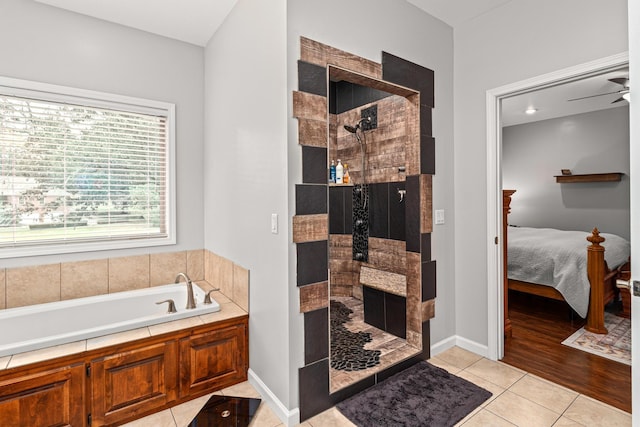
(539,327)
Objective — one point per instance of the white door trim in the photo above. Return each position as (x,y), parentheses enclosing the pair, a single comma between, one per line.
(494,180)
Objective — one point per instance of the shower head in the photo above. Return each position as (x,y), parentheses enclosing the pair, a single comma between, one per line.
(354,129)
(351,129)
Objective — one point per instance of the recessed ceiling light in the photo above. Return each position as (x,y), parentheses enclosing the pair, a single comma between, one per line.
(531,110)
(627,96)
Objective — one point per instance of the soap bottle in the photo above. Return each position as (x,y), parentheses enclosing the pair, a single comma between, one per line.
(339,172)
(345,175)
(332,172)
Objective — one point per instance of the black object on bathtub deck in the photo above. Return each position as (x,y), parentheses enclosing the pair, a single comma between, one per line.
(226,411)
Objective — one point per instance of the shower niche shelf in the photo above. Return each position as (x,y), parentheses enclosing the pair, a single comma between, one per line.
(331,184)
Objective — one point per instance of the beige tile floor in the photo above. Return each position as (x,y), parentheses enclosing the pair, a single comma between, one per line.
(519,399)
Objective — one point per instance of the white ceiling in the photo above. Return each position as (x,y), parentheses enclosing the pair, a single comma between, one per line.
(191,21)
(456,12)
(195,21)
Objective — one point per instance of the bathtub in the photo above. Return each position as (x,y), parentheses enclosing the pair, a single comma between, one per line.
(43,325)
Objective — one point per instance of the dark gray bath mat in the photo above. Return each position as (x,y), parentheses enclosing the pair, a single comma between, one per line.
(422,395)
(226,411)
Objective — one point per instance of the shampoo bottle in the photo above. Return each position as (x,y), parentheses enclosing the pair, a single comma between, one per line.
(345,175)
(339,172)
(332,172)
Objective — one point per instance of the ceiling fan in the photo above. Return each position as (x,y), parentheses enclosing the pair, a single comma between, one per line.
(624,92)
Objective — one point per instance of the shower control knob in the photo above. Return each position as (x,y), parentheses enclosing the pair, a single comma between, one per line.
(359,256)
(359,223)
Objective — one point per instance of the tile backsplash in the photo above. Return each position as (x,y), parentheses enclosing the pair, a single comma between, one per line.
(23,286)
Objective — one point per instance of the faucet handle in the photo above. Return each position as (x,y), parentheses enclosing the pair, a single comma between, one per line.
(207,296)
(171,307)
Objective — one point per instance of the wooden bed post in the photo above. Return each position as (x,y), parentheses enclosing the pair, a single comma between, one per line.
(596,272)
(506,208)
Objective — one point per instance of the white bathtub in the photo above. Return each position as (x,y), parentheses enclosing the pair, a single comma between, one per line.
(43,325)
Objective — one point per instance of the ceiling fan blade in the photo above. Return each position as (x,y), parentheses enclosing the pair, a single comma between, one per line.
(593,96)
(618,100)
(621,81)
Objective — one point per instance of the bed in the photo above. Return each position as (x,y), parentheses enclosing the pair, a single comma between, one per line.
(563,265)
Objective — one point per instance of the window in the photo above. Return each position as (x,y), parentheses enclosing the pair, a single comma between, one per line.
(82,170)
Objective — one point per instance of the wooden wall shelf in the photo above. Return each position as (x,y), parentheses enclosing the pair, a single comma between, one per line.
(591,177)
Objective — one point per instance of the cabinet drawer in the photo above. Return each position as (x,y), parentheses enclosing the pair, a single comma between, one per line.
(49,398)
(130,383)
(213,360)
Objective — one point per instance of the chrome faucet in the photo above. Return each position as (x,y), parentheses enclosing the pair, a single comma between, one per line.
(191,302)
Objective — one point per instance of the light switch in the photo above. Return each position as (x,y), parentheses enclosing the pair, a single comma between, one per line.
(439,216)
(274,223)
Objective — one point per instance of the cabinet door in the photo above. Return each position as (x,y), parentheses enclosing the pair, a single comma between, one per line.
(49,398)
(213,360)
(131,383)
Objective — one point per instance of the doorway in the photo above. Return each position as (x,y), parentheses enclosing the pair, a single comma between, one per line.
(494,100)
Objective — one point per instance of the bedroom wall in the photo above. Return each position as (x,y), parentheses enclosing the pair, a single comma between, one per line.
(50,45)
(518,40)
(595,142)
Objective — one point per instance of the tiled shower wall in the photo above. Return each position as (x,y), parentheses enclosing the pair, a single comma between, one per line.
(24,286)
(311,221)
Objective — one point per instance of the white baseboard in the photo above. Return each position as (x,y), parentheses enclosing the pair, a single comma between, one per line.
(290,418)
(461,342)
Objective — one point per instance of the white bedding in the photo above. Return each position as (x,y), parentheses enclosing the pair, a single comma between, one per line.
(558,258)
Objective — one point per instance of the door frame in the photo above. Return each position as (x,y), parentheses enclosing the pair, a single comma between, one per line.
(494,180)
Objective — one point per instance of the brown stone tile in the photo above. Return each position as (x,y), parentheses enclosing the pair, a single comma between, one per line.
(128,273)
(314,297)
(312,133)
(414,293)
(3,288)
(309,106)
(426,204)
(428,310)
(219,273)
(84,278)
(32,285)
(321,54)
(241,287)
(195,264)
(164,267)
(310,228)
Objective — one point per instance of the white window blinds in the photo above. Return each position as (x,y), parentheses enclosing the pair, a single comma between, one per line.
(73,172)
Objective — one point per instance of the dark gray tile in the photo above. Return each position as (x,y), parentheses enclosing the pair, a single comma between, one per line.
(395,310)
(314,165)
(426,125)
(412,213)
(316,333)
(379,210)
(313,383)
(409,74)
(427,155)
(425,251)
(311,199)
(373,307)
(428,280)
(397,211)
(312,78)
(336,210)
(312,262)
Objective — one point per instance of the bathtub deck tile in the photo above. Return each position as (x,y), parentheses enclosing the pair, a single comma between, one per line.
(4,362)
(118,338)
(163,328)
(227,311)
(34,356)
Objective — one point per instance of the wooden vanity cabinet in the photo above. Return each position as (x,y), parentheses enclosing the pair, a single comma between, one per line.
(134,382)
(117,384)
(50,397)
(213,360)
